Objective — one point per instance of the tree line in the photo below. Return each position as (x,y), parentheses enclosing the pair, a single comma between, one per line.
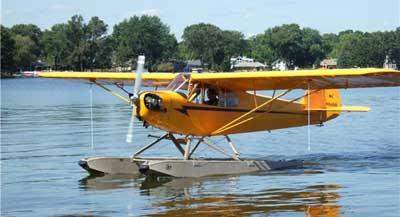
(84,46)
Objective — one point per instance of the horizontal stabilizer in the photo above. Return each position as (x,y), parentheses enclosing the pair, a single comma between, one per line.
(343,109)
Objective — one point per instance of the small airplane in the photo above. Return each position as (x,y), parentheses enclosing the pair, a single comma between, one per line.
(190,108)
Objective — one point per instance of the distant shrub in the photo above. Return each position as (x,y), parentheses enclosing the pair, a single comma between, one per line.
(165,67)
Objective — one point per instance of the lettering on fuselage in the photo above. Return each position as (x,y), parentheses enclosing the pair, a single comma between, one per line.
(331,104)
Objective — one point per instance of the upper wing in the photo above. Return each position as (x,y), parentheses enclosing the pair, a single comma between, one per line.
(149,79)
(316,79)
(267,80)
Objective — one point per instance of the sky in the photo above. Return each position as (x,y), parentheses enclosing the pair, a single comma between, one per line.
(249,17)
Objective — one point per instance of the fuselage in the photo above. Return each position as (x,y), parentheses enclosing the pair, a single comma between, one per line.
(174,112)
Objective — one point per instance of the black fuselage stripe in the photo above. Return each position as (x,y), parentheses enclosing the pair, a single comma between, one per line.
(198,108)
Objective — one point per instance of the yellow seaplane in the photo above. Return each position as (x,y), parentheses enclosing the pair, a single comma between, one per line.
(190,108)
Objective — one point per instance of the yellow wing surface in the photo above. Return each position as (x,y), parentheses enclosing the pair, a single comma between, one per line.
(149,79)
(263,80)
(316,79)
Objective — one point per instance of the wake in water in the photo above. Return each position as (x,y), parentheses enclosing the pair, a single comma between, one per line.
(383,161)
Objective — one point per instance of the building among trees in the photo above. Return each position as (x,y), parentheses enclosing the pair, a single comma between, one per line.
(329,63)
(194,66)
(246,64)
(389,64)
(279,65)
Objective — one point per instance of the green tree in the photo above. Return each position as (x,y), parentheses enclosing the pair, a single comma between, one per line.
(260,46)
(392,46)
(24,57)
(233,44)
(286,41)
(298,47)
(182,52)
(97,45)
(96,28)
(143,35)
(349,54)
(78,46)
(31,31)
(203,42)
(329,42)
(313,48)
(364,49)
(7,51)
(75,33)
(28,48)
(340,41)
(103,54)
(56,46)
(212,45)
(373,47)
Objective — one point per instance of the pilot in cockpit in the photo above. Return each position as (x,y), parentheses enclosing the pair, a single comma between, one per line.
(212,97)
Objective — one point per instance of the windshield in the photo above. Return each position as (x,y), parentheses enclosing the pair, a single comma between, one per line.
(180,82)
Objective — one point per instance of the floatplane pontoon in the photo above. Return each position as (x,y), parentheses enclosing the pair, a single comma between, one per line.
(190,108)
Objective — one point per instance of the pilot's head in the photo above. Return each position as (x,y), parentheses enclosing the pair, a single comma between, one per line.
(211,93)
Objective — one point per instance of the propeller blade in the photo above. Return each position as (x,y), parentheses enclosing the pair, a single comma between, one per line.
(138,80)
(138,84)
(129,135)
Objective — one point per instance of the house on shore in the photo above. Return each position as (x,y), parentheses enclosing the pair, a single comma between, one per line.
(181,66)
(279,65)
(246,64)
(195,66)
(329,63)
(389,64)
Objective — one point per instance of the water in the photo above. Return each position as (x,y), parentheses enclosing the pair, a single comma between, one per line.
(352,169)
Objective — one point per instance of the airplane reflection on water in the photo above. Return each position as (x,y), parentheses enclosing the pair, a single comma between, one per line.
(313,200)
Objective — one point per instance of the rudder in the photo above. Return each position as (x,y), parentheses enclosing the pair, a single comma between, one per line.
(322,100)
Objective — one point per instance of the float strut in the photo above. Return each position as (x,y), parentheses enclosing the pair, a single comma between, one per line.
(187,149)
(150,145)
(233,146)
(195,147)
(220,150)
(176,143)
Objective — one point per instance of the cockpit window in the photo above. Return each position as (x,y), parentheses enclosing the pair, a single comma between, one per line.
(214,96)
(228,99)
(179,82)
(197,93)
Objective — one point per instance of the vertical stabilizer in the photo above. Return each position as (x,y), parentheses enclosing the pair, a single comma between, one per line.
(323,100)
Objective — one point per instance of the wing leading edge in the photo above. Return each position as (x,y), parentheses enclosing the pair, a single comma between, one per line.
(265,80)
(149,79)
(316,79)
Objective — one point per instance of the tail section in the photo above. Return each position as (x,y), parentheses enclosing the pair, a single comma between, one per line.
(323,99)
(328,103)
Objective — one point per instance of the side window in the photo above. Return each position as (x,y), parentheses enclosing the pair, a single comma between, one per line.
(213,96)
(196,96)
(228,99)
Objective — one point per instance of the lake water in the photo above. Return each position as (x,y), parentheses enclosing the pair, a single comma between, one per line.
(352,169)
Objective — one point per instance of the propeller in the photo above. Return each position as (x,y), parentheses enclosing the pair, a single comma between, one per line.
(135,97)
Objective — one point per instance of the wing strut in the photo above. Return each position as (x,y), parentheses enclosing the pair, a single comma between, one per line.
(91,118)
(112,92)
(239,120)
